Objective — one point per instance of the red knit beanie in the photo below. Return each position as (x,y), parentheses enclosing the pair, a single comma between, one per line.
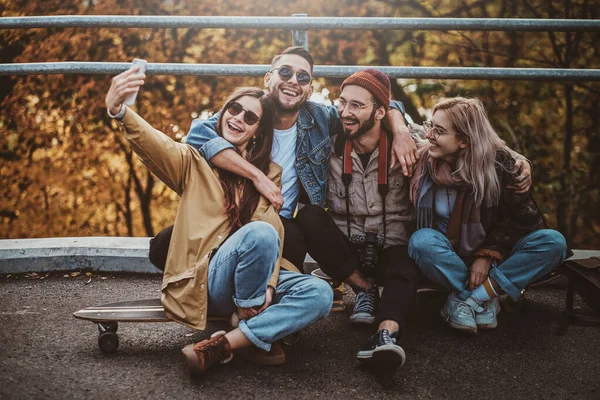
(376,82)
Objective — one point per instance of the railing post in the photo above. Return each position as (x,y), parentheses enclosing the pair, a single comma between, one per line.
(300,37)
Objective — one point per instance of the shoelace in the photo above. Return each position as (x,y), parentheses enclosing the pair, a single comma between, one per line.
(385,338)
(365,302)
(211,350)
(465,309)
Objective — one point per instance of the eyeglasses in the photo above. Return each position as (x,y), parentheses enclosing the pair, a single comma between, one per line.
(286,73)
(353,106)
(234,108)
(436,131)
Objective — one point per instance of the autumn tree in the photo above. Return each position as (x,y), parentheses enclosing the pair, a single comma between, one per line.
(66,171)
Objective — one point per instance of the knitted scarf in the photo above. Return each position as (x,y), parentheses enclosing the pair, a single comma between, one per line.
(465,230)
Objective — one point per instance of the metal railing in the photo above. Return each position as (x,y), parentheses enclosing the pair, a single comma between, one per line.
(302,22)
(299,25)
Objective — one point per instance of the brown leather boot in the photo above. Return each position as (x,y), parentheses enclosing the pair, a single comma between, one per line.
(202,355)
(274,357)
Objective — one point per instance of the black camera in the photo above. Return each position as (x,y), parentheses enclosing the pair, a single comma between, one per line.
(370,253)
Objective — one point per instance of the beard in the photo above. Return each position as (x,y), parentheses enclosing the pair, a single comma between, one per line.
(365,127)
(286,108)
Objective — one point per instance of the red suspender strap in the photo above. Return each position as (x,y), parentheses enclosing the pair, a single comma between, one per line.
(347,178)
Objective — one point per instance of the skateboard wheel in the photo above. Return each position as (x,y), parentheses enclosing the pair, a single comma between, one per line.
(108,342)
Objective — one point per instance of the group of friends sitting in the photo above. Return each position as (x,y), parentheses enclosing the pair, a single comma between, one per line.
(377,202)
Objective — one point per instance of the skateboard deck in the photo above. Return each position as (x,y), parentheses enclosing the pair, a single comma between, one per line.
(108,316)
(125,311)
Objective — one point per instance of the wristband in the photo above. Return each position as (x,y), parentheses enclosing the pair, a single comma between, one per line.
(119,116)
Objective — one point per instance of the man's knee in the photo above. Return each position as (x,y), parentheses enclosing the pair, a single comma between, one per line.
(310,216)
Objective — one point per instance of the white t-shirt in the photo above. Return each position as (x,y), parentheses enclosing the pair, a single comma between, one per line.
(284,154)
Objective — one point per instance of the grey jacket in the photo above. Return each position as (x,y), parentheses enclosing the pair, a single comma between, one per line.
(366,204)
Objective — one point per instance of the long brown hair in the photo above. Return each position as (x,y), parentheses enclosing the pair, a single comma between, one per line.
(258,154)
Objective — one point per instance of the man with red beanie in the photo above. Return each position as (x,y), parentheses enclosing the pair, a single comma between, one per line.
(362,237)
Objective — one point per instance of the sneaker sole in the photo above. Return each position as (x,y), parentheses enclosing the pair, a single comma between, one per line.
(461,328)
(362,319)
(490,326)
(189,357)
(387,356)
(487,326)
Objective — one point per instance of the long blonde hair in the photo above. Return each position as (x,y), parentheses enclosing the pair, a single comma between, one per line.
(476,163)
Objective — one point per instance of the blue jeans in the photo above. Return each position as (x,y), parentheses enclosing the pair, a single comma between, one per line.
(238,276)
(532,257)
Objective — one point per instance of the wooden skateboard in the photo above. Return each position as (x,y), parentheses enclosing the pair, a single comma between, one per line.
(337,287)
(108,316)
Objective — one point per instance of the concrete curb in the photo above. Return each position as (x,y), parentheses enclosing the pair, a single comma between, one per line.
(100,254)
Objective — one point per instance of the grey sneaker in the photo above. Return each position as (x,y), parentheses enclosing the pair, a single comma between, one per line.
(486,319)
(381,349)
(364,306)
(460,314)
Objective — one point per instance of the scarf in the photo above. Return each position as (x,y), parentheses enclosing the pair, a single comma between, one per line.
(465,230)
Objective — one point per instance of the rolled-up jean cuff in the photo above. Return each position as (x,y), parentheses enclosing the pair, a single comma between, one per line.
(257,301)
(250,336)
(505,284)
(465,294)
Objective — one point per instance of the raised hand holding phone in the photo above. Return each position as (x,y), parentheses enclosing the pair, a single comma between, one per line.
(124,85)
(130,99)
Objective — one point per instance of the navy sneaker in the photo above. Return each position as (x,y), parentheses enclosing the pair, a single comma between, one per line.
(364,306)
(382,350)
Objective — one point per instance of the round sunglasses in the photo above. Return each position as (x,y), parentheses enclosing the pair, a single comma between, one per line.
(286,73)
(234,108)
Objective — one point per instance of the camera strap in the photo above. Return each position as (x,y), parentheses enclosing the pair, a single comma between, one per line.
(382,177)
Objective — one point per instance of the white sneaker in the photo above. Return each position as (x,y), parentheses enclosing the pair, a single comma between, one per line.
(486,319)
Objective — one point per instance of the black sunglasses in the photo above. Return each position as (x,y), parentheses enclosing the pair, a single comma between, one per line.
(285,73)
(234,108)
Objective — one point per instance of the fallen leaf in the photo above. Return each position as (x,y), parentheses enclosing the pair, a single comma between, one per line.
(88,274)
(74,274)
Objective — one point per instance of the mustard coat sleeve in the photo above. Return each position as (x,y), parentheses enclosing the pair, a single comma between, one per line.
(168,160)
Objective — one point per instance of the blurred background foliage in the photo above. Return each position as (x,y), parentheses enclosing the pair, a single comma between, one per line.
(66,171)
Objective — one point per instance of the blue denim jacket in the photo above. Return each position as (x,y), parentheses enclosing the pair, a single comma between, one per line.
(316,124)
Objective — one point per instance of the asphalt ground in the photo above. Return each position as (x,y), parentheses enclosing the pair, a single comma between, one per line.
(47,354)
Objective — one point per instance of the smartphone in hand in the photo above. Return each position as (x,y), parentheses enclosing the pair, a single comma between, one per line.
(130,99)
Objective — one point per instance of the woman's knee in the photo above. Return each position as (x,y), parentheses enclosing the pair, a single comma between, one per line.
(555,243)
(420,242)
(260,236)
